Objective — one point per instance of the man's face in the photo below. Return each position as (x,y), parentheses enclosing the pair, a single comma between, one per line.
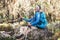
(37,8)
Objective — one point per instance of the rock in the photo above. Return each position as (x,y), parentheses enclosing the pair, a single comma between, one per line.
(39,34)
(4,34)
(23,23)
(58,38)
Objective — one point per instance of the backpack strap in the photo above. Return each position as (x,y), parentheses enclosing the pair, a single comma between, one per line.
(40,14)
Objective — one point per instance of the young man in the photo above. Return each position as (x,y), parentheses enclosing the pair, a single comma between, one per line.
(38,20)
(38,25)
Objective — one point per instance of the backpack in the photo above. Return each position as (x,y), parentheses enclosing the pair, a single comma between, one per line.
(43,17)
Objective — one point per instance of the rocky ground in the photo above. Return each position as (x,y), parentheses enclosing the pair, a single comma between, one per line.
(53,32)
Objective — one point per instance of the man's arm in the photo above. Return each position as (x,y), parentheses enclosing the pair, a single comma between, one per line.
(37,19)
(27,20)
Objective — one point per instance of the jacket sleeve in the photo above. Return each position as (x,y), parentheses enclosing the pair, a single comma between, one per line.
(37,17)
(27,20)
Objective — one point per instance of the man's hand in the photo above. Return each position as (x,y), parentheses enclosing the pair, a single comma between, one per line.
(29,25)
(21,16)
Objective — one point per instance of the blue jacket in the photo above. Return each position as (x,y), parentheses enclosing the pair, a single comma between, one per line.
(38,20)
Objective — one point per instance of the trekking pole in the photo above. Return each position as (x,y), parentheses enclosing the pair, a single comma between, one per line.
(26,36)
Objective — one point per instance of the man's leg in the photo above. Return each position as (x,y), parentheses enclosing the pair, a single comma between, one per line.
(37,34)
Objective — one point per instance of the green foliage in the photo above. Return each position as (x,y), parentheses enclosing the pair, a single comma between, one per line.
(1,15)
(7,38)
(5,28)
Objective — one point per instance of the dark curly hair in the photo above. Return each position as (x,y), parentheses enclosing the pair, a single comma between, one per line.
(39,6)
